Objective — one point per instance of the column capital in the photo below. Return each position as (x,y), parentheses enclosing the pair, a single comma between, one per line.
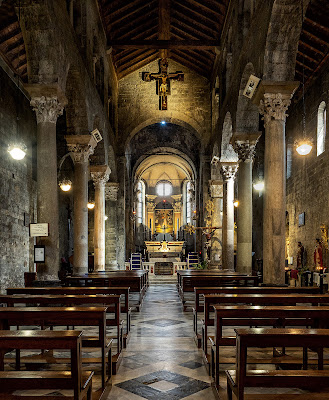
(48,101)
(100,174)
(274,98)
(216,188)
(229,170)
(111,191)
(244,144)
(80,147)
(178,206)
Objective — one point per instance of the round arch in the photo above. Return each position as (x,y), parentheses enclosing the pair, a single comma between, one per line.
(247,114)
(227,152)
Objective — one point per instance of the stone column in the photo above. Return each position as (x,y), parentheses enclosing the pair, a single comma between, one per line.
(274,99)
(244,145)
(80,147)
(228,170)
(100,175)
(111,197)
(48,103)
(216,190)
(121,207)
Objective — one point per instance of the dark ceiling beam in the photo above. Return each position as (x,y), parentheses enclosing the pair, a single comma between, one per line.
(303,65)
(192,66)
(122,9)
(189,29)
(315,37)
(197,15)
(203,8)
(199,24)
(164,25)
(136,66)
(317,24)
(308,46)
(164,44)
(304,55)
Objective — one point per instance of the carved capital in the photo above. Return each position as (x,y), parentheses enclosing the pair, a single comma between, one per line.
(47,109)
(80,147)
(100,174)
(177,206)
(245,144)
(274,106)
(216,189)
(111,191)
(150,205)
(229,170)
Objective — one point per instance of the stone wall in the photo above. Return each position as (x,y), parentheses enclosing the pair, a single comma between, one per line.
(307,188)
(18,185)
(189,101)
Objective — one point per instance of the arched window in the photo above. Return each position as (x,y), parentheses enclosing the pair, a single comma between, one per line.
(140,202)
(163,189)
(321,129)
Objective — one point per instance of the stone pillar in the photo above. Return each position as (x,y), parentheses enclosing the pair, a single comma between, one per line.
(121,207)
(274,99)
(100,175)
(216,190)
(178,208)
(228,170)
(48,103)
(111,197)
(80,147)
(244,145)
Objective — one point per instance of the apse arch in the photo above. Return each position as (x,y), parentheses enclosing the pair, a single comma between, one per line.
(175,118)
(247,114)
(227,152)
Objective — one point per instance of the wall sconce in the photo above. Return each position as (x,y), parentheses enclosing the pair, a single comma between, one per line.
(17,151)
(236,203)
(259,186)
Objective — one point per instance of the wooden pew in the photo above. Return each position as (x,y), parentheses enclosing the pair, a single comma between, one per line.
(189,282)
(239,379)
(262,316)
(81,290)
(289,299)
(65,316)
(200,291)
(76,379)
(136,280)
(112,302)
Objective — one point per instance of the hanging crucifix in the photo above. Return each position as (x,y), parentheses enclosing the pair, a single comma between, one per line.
(163,81)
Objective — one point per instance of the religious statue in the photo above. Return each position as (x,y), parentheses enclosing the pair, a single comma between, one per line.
(301,259)
(318,255)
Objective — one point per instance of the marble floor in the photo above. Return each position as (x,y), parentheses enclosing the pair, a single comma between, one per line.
(161,361)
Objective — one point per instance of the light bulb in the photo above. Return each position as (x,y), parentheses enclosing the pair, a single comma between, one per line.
(90,205)
(236,203)
(106,217)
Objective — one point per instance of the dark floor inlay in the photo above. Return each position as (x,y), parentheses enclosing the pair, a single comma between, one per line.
(172,386)
(191,364)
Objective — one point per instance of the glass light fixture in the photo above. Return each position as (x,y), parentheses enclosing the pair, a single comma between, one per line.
(65,185)
(90,205)
(304,147)
(259,186)
(17,151)
(236,203)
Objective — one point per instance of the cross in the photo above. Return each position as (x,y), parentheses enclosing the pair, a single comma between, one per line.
(163,81)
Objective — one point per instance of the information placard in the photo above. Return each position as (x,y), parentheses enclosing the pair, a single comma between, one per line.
(39,254)
(37,230)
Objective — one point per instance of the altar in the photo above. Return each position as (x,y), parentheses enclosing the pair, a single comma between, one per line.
(170,251)
(163,256)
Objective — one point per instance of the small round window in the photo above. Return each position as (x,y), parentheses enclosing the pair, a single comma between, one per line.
(163,189)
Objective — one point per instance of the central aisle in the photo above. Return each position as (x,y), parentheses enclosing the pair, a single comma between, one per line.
(161,361)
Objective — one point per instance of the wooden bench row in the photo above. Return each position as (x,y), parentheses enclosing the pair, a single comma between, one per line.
(241,377)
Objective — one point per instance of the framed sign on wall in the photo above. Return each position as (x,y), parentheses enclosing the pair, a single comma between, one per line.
(39,254)
(301,219)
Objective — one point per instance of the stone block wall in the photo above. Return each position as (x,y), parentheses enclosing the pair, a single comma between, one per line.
(18,185)
(307,187)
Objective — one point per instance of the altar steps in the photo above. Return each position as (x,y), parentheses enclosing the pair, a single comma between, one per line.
(162,279)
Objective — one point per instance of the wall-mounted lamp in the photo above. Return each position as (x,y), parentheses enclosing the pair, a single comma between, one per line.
(236,203)
(17,151)
(64,183)
(259,186)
